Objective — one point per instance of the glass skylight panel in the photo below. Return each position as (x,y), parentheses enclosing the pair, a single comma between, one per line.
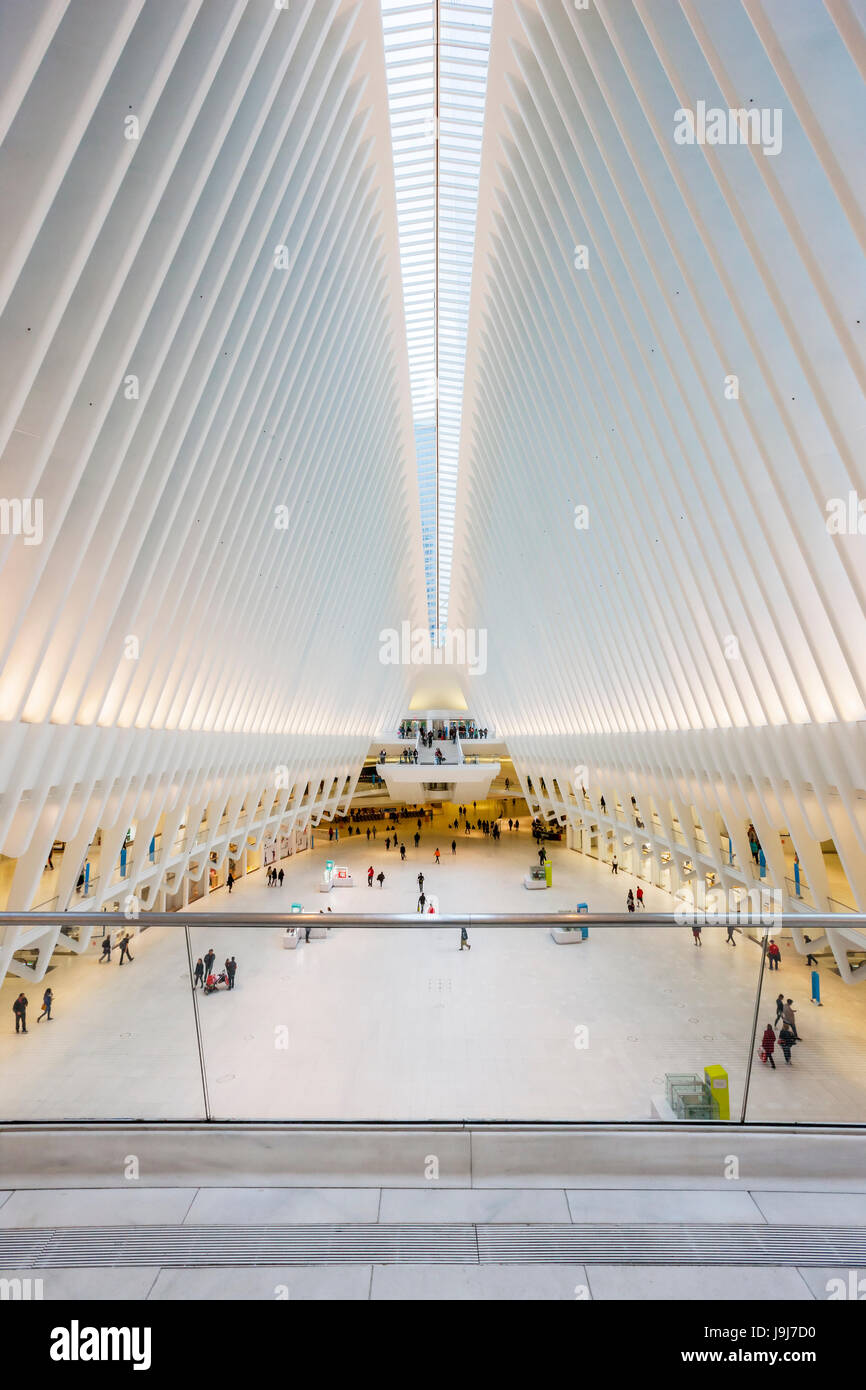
(436,332)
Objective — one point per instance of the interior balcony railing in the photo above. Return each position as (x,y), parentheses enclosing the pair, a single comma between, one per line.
(203,1086)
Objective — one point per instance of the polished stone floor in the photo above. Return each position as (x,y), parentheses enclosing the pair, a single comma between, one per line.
(209,1207)
(389,1024)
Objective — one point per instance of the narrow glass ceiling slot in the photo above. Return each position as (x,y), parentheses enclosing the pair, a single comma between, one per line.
(437,198)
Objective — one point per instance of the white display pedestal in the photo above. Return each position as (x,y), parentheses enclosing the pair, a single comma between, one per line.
(338,877)
(563,937)
(295,935)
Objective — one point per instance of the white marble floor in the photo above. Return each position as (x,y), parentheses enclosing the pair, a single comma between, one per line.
(442,1282)
(398,1024)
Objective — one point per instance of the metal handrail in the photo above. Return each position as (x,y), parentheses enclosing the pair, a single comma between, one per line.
(821,920)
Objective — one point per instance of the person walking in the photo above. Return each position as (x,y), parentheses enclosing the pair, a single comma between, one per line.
(388,843)
(231,971)
(542,856)
(768,1043)
(124,949)
(436,855)
(453,846)
(209,958)
(510,823)
(106,948)
(786,1042)
(696,933)
(774,955)
(810,959)
(629,902)
(230,880)
(280,876)
(417,839)
(614,867)
(380,878)
(421,901)
(402,853)
(639,897)
(198,974)
(47,1001)
(789,1015)
(370,876)
(780,1008)
(464,939)
(420,883)
(19,1009)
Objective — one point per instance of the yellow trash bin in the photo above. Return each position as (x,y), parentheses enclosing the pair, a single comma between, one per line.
(717,1079)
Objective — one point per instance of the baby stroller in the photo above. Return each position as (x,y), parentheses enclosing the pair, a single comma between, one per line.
(213,982)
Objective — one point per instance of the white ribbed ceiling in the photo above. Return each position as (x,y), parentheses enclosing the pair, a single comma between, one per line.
(705,591)
(204,367)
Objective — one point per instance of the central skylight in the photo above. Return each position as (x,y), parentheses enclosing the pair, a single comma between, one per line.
(436,58)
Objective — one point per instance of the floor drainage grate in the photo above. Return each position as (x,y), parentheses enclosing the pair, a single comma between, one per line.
(371,1243)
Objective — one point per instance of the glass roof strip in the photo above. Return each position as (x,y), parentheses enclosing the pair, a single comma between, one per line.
(436,333)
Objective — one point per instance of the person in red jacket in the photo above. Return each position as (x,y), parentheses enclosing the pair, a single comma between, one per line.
(774,955)
(768,1043)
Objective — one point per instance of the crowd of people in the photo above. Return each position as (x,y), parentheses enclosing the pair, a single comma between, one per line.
(21,1002)
(787,1035)
(205,978)
(20,1005)
(121,944)
(411,728)
(372,815)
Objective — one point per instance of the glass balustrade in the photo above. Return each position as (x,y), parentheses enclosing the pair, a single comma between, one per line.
(394,1022)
